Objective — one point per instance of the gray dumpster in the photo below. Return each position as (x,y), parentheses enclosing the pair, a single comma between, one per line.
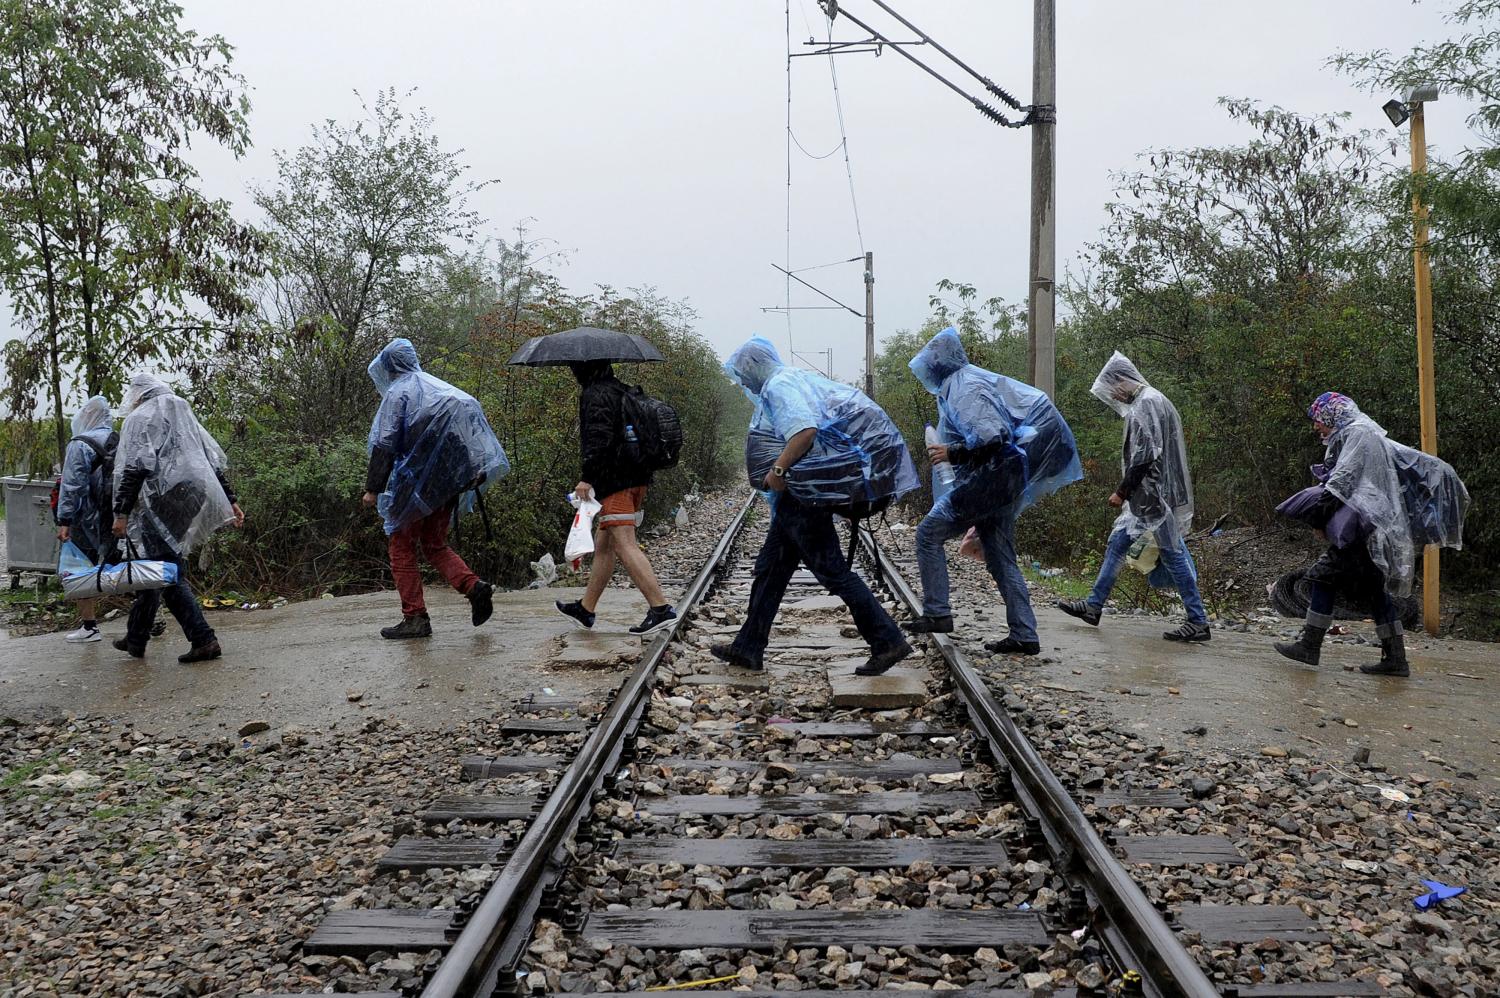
(30,531)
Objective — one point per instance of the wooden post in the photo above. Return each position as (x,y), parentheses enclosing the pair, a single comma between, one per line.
(1426,369)
(1042,293)
(870,324)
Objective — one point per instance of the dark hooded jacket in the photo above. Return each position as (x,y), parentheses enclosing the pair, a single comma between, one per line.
(601,431)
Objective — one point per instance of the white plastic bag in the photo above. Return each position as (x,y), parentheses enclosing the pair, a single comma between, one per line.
(581,536)
(545,570)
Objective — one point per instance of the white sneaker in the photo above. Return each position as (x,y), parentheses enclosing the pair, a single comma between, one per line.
(84,634)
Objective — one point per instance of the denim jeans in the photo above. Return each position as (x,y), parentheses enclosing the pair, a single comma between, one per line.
(803,535)
(1382,610)
(997,535)
(180,601)
(1173,556)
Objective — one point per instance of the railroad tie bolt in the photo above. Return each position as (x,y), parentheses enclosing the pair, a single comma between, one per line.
(1033,829)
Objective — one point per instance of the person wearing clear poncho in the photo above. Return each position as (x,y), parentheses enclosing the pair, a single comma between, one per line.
(82,498)
(170,494)
(1378,503)
(1008,446)
(1155,496)
(431,451)
(840,435)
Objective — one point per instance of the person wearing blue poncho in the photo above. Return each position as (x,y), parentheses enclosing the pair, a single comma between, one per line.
(83,496)
(1008,446)
(814,446)
(430,447)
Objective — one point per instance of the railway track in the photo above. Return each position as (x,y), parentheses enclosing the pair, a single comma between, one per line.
(799,829)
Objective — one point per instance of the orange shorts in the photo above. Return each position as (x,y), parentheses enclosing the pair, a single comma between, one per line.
(624,508)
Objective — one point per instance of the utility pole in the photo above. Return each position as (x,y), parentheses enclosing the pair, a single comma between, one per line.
(1426,369)
(870,324)
(1041,347)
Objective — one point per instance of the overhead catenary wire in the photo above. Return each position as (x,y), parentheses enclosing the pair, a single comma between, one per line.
(838,104)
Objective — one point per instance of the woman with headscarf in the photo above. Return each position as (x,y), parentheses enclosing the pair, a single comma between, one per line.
(1155,495)
(1378,502)
(1009,446)
(431,450)
(83,497)
(170,495)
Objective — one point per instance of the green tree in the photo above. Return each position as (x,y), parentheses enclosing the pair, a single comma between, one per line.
(109,252)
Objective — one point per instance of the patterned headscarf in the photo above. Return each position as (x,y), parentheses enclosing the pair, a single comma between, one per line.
(1333,409)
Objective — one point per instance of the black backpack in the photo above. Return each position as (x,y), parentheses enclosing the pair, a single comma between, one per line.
(657,443)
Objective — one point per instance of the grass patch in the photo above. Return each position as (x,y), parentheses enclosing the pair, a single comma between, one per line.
(15,777)
(1065,586)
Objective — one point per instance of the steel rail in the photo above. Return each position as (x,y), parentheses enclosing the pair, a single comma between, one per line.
(469,963)
(1135,931)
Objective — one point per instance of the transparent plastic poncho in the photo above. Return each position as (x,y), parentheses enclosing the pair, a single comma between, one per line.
(977,406)
(1405,498)
(82,485)
(181,503)
(1153,435)
(857,457)
(442,443)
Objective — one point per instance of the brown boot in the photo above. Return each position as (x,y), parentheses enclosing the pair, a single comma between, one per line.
(201,653)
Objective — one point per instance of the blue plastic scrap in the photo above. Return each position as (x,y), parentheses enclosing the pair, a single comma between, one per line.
(1439,892)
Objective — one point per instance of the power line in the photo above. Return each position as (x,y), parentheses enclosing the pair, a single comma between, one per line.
(836,263)
(789,140)
(838,104)
(794,277)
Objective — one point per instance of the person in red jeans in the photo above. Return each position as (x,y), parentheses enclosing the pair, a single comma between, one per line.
(430,447)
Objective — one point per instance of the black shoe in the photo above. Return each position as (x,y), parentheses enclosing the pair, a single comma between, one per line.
(727,654)
(1010,646)
(656,618)
(1078,608)
(158,628)
(576,611)
(201,653)
(1307,649)
(125,646)
(926,624)
(419,626)
(1189,632)
(883,660)
(1392,659)
(481,602)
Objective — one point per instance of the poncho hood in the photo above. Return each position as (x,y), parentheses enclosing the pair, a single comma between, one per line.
(753,364)
(940,359)
(143,387)
(94,415)
(396,359)
(1119,375)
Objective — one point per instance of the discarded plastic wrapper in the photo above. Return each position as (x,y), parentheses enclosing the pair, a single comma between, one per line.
(1439,892)
(581,534)
(1389,793)
(545,570)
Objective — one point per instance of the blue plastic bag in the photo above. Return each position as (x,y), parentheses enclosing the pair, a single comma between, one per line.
(72,561)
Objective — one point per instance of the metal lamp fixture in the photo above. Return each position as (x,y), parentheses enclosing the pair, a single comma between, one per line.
(1396,111)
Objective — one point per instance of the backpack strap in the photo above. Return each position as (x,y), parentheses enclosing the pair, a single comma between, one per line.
(95,446)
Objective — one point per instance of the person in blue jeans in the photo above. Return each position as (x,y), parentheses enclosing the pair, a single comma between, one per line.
(813,443)
(1008,446)
(1155,495)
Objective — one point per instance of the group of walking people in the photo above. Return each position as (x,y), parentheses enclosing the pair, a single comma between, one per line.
(817,449)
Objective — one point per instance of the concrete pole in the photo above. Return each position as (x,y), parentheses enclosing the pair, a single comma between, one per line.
(1426,368)
(870,324)
(1042,305)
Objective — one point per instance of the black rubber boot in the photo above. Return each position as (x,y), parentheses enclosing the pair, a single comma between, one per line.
(419,626)
(481,602)
(1078,608)
(1306,649)
(929,625)
(882,660)
(1392,658)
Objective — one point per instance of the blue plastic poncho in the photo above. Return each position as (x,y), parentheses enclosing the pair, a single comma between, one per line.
(979,408)
(1405,498)
(858,455)
(441,441)
(1153,437)
(181,502)
(81,492)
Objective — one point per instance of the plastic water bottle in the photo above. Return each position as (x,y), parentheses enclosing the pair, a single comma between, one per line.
(630,436)
(942,471)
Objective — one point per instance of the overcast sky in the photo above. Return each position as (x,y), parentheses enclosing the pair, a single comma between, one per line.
(648,137)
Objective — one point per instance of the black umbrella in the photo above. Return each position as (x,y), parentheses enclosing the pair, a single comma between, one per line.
(575,346)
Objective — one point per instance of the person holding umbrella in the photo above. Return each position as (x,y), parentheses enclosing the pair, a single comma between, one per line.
(615,447)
